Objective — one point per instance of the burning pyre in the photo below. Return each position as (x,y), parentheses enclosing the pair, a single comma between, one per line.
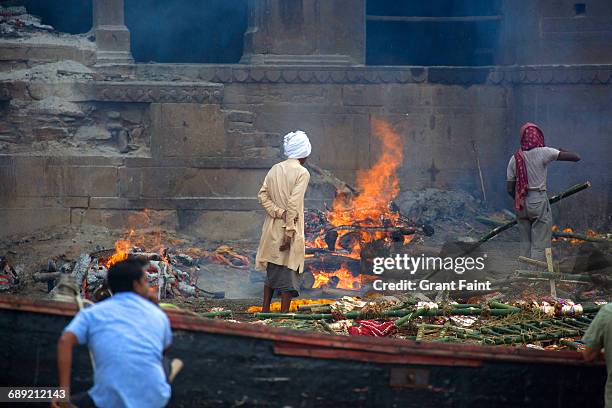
(344,235)
(171,272)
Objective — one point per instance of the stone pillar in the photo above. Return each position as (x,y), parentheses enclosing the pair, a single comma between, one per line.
(112,36)
(305,32)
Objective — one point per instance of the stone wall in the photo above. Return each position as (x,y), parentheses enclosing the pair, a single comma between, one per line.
(211,133)
(536,32)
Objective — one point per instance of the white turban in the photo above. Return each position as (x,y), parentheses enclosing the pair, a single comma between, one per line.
(297,145)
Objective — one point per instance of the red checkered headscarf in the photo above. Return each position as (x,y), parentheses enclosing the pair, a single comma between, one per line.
(531,137)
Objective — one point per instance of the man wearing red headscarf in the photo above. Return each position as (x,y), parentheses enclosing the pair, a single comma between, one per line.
(526,175)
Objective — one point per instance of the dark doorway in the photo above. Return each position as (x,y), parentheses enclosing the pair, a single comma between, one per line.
(434,32)
(186,31)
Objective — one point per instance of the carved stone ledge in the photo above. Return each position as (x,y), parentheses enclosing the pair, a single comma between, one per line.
(546,74)
(157,92)
(574,74)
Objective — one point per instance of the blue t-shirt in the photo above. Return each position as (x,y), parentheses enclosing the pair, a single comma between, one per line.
(127,335)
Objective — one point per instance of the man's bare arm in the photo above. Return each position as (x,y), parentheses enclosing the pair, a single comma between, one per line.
(566,155)
(510,186)
(64,358)
(590,354)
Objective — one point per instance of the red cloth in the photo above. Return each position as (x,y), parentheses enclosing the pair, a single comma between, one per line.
(531,137)
(372,328)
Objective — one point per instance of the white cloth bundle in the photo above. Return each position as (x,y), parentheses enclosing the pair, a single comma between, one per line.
(297,145)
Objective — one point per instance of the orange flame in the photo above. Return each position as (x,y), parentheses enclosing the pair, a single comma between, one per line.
(377,186)
(346,278)
(122,249)
(573,241)
(148,239)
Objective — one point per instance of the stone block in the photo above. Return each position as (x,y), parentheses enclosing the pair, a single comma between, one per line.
(50,133)
(90,181)
(366,95)
(192,182)
(187,130)
(240,116)
(222,225)
(125,219)
(21,221)
(34,177)
(130,182)
(186,203)
(95,132)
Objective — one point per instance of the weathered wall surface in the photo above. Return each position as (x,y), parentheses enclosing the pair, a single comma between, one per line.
(537,32)
(433,120)
(207,158)
(575,117)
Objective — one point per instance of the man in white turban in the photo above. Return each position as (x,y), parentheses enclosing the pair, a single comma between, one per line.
(281,248)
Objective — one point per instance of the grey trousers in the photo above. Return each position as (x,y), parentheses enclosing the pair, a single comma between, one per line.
(535,225)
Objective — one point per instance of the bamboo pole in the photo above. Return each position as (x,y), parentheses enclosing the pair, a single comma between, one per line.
(222,313)
(570,191)
(405,315)
(498,305)
(497,230)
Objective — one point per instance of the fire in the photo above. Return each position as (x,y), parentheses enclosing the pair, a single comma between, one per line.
(146,239)
(573,241)
(377,187)
(276,306)
(122,249)
(346,280)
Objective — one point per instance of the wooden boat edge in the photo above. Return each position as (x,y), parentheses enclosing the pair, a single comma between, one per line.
(324,346)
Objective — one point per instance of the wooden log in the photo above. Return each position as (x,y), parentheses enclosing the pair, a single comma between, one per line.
(549,266)
(402,230)
(45,276)
(80,269)
(557,280)
(541,264)
(553,275)
(305,308)
(581,237)
(338,293)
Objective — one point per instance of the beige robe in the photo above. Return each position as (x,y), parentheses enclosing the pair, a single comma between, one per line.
(283,190)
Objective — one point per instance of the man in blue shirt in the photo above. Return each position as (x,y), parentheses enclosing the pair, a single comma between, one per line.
(127,335)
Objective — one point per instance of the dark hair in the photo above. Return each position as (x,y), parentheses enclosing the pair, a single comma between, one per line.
(122,275)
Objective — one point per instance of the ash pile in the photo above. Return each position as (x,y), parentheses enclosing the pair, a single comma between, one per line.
(171,274)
